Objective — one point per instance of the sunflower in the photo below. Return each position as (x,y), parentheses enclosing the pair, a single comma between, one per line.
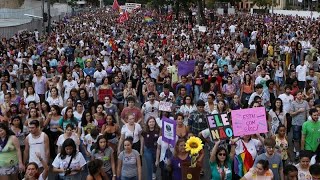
(194,145)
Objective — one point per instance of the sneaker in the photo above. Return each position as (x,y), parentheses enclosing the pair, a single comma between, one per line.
(294,149)
(154,177)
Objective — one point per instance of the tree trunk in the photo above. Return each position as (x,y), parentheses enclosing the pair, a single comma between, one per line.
(177,9)
(201,16)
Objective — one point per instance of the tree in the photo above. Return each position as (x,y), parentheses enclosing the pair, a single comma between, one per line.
(11,4)
(263,3)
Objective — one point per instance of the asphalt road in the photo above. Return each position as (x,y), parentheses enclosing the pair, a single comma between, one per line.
(144,170)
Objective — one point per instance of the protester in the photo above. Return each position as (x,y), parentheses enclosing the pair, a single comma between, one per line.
(84,62)
(261,171)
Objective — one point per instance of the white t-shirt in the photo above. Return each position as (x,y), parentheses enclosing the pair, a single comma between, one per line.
(135,134)
(99,75)
(164,146)
(68,85)
(286,101)
(35,97)
(77,162)
(57,101)
(61,139)
(301,72)
(164,97)
(252,146)
(88,140)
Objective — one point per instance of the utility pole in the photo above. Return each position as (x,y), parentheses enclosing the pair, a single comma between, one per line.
(43,23)
(49,16)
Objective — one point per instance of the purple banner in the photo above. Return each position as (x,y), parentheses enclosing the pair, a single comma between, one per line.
(186,67)
(169,131)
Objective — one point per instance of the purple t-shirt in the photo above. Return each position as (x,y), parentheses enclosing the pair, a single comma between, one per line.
(176,167)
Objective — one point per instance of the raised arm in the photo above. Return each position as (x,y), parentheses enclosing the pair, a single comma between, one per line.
(214,151)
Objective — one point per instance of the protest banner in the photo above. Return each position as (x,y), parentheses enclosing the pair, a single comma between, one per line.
(165,106)
(219,126)
(186,67)
(249,121)
(169,131)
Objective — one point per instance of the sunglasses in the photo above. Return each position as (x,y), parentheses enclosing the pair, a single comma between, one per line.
(222,154)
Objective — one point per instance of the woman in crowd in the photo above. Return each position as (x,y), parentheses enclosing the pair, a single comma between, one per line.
(111,109)
(187,108)
(45,109)
(67,118)
(69,162)
(79,109)
(251,144)
(150,135)
(129,91)
(10,154)
(129,162)
(95,168)
(261,171)
(182,130)
(180,155)
(33,171)
(303,165)
(221,161)
(69,133)
(246,90)
(16,126)
(134,130)
(100,117)
(222,108)
(105,153)
(112,131)
(31,96)
(104,90)
(55,98)
(210,105)
(52,124)
(282,143)
(276,116)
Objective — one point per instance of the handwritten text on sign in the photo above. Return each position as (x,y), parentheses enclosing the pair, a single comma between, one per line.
(249,121)
(219,126)
(165,106)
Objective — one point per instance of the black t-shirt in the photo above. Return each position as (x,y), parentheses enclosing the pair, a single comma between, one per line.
(289,80)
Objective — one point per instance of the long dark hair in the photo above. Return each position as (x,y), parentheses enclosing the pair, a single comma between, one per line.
(97,146)
(84,119)
(227,156)
(66,143)
(72,119)
(274,105)
(20,124)
(6,129)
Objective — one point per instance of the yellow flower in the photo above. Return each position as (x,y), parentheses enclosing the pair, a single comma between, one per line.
(194,145)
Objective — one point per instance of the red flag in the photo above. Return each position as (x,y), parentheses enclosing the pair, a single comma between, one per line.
(123,17)
(115,5)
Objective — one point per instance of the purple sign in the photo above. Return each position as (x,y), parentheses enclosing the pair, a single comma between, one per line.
(186,67)
(169,131)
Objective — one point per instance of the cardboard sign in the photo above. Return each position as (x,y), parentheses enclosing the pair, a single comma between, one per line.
(169,131)
(219,126)
(249,121)
(165,106)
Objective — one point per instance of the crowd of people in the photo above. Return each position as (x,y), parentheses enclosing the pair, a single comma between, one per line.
(83,102)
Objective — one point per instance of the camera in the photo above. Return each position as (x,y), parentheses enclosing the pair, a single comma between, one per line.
(67,172)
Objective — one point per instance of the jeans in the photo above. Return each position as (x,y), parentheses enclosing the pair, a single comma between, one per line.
(129,178)
(196,93)
(165,173)
(150,157)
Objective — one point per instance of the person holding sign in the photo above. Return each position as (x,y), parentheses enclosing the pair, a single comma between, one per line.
(221,162)
(197,121)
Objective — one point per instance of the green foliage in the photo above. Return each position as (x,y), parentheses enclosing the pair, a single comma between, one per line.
(263,3)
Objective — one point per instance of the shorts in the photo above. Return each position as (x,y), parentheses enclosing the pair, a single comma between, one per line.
(296,132)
